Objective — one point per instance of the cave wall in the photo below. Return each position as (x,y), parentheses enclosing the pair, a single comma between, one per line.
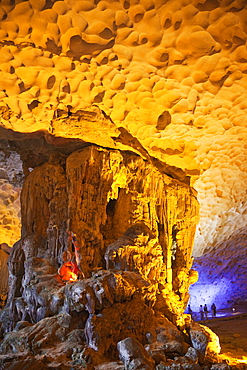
(223,281)
(11,179)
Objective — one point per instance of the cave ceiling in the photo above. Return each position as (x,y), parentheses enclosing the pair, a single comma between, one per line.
(163,79)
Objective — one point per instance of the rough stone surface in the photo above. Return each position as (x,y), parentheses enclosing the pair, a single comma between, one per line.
(132,77)
(192,354)
(182,99)
(223,281)
(133,269)
(222,366)
(96,73)
(205,342)
(110,366)
(133,355)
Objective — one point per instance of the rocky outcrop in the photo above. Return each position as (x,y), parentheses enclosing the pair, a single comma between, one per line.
(109,72)
(124,232)
(134,355)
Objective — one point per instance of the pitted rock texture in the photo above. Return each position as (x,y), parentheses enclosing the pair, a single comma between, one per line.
(11,179)
(173,74)
(223,281)
(9,212)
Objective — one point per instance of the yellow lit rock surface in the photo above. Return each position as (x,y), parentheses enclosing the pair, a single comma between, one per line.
(158,87)
(9,213)
(126,214)
(128,228)
(10,187)
(173,74)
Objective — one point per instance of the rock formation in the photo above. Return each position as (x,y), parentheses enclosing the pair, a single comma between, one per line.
(129,229)
(113,109)
(11,175)
(183,98)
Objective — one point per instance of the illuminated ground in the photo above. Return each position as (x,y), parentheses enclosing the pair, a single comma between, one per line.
(228,313)
(232,331)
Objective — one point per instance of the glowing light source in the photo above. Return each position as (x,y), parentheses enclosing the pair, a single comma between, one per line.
(233,360)
(69,271)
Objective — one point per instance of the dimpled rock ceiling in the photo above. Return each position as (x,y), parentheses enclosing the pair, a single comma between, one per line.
(171,73)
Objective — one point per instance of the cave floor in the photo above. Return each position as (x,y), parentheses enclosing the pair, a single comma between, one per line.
(231,329)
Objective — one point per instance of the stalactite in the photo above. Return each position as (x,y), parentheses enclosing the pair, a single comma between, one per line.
(97,243)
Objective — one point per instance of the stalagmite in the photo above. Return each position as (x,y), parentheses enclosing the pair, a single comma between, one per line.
(123,211)
(123,126)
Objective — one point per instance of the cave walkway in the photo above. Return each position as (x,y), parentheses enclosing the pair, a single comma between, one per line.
(225,313)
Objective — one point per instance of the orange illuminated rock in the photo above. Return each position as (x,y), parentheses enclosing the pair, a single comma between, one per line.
(135,61)
(69,271)
(164,82)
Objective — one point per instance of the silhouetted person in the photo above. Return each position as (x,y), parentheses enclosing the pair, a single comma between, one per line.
(190,311)
(205,311)
(213,308)
(201,312)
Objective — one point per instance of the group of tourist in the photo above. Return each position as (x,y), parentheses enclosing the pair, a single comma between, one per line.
(203,311)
